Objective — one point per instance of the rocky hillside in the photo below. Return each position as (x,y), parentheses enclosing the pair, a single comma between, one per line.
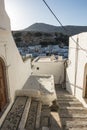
(44,34)
(71,30)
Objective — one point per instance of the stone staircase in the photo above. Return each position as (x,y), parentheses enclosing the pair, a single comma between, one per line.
(31,114)
(72,114)
(27,114)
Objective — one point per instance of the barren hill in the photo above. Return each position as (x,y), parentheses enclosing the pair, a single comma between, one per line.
(42,27)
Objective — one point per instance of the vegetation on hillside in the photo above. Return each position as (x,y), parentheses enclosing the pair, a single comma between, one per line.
(23,38)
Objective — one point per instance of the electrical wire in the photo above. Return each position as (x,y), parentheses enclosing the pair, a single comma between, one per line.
(67,31)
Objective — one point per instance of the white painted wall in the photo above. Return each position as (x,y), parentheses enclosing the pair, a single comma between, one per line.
(50,68)
(4,19)
(17,71)
(76,86)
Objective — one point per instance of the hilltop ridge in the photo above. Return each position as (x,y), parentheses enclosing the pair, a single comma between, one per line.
(42,27)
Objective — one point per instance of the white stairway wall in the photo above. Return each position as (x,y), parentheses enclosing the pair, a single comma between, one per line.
(17,71)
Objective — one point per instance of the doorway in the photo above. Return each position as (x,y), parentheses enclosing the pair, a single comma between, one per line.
(3,87)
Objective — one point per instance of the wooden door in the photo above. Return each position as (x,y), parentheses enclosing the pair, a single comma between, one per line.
(3,100)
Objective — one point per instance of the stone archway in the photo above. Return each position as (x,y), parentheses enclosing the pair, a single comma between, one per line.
(3,87)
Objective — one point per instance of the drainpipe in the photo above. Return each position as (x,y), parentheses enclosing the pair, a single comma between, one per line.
(76,66)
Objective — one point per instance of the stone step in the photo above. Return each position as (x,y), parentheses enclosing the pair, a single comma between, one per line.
(32,115)
(25,114)
(74,108)
(70,119)
(38,115)
(75,124)
(45,128)
(65,96)
(77,115)
(73,111)
(76,128)
(13,118)
(69,104)
(67,100)
(45,116)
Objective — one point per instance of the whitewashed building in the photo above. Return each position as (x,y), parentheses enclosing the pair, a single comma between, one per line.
(12,66)
(15,73)
(50,66)
(76,81)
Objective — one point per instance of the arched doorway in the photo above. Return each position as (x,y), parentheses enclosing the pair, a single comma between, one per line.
(3,87)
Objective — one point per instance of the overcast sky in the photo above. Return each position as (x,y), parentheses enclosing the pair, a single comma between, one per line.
(24,13)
